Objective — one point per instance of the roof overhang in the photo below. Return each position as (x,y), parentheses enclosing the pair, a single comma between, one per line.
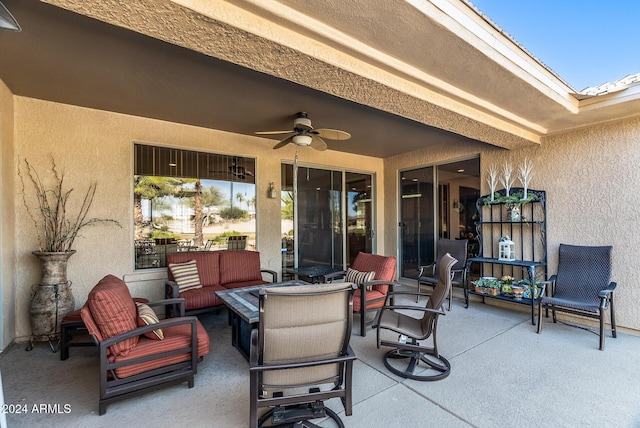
(385,71)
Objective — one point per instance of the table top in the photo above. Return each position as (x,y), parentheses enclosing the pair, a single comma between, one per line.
(244,301)
(312,271)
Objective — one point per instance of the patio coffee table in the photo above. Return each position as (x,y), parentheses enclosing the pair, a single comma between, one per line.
(243,311)
(313,274)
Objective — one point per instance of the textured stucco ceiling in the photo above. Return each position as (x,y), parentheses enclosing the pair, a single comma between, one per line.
(398,77)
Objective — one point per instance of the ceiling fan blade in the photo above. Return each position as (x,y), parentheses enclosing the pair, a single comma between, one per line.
(332,134)
(273,132)
(318,143)
(283,142)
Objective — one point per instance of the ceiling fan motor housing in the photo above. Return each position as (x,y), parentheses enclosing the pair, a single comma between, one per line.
(302,123)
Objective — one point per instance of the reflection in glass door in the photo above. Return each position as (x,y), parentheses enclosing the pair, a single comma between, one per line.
(416,220)
(359,215)
(319,218)
(436,202)
(317,235)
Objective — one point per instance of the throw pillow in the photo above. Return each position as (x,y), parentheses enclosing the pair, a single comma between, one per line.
(146,316)
(186,275)
(358,277)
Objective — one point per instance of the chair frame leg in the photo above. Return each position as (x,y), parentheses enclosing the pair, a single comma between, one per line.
(441,364)
(601,313)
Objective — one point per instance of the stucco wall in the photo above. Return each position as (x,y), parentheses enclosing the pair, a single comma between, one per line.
(7,215)
(591,178)
(97,145)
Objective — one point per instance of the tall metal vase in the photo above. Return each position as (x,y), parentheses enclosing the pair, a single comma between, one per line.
(53,298)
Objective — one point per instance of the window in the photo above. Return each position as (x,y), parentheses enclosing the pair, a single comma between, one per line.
(191,201)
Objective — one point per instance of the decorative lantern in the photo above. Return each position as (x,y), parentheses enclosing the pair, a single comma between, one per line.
(506,249)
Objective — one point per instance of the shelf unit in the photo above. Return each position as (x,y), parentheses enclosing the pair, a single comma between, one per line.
(530,238)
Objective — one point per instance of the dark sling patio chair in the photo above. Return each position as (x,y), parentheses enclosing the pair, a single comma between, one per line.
(407,349)
(429,274)
(582,286)
(300,354)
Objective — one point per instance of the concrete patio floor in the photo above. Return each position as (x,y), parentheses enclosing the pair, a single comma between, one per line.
(503,375)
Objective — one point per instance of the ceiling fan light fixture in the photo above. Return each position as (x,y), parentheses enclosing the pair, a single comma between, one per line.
(302,140)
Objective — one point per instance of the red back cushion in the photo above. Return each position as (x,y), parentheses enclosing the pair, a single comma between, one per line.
(208,265)
(383,266)
(89,323)
(114,312)
(239,266)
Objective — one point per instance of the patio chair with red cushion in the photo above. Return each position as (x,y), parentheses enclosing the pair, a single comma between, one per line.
(375,275)
(139,352)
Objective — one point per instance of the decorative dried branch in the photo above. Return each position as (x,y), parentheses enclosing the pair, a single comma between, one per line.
(525,172)
(492,180)
(507,178)
(56,232)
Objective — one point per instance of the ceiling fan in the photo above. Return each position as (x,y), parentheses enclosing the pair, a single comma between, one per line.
(305,135)
(236,170)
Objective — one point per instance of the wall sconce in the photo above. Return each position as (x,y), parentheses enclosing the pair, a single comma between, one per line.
(271,191)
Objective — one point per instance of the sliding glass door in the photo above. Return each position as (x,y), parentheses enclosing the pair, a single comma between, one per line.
(359,214)
(332,220)
(417,213)
(436,202)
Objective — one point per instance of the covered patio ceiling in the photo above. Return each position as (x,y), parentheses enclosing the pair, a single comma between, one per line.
(398,75)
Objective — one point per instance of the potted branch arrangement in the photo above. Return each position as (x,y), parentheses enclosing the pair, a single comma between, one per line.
(512,200)
(56,229)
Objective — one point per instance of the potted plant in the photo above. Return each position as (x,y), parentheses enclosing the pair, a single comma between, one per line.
(487,285)
(56,229)
(529,290)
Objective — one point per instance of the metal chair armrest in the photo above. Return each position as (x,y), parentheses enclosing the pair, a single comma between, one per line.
(171,290)
(273,273)
(348,356)
(550,285)
(329,277)
(608,290)
(391,283)
(421,269)
(253,348)
(145,329)
(413,308)
(408,293)
(176,302)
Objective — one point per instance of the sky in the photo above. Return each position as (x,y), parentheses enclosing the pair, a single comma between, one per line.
(585,42)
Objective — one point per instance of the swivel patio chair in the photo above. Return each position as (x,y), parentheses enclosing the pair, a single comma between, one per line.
(300,354)
(371,294)
(407,350)
(582,286)
(458,250)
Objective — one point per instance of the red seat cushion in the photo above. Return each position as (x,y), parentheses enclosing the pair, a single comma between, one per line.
(174,337)
(201,297)
(371,295)
(114,312)
(245,284)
